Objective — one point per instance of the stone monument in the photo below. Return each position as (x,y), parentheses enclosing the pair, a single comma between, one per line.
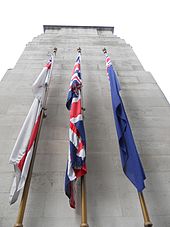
(111,199)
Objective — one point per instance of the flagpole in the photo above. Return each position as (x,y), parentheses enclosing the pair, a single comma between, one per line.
(83,190)
(23,202)
(83,203)
(22,206)
(147,222)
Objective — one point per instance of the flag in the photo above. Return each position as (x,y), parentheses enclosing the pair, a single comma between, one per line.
(23,148)
(131,163)
(22,152)
(76,165)
(42,81)
(75,83)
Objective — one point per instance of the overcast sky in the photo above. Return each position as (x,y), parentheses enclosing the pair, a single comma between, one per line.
(143,24)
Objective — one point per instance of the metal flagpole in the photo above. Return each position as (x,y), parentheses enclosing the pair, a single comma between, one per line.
(83,187)
(23,202)
(83,203)
(147,222)
(22,206)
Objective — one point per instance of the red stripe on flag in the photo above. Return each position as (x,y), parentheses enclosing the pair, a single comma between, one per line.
(76,66)
(48,65)
(75,77)
(31,141)
(81,172)
(75,109)
(80,146)
(74,129)
(107,59)
(72,200)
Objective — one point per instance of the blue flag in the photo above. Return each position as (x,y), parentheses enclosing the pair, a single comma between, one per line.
(131,163)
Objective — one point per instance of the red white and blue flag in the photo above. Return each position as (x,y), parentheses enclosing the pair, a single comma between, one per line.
(76,165)
(23,149)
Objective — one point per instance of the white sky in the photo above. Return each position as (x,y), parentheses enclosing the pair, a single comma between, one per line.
(144,24)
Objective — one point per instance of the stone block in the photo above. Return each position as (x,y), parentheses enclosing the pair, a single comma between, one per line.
(139,102)
(157,181)
(129,203)
(153,163)
(53,162)
(5,167)
(104,204)
(9,132)
(48,182)
(151,135)
(97,162)
(52,146)
(6,146)
(57,205)
(62,222)
(55,133)
(6,180)
(155,147)
(157,197)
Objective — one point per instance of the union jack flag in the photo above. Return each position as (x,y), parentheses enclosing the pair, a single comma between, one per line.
(76,165)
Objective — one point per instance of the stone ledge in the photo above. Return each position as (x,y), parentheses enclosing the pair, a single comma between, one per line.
(58,27)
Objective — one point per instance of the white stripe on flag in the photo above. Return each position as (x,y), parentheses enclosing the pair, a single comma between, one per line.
(25,133)
(76,99)
(70,172)
(73,138)
(39,84)
(20,148)
(81,154)
(76,119)
(75,141)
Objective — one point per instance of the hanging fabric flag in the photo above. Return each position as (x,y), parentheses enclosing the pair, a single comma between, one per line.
(76,166)
(22,152)
(131,163)
(75,84)
(42,81)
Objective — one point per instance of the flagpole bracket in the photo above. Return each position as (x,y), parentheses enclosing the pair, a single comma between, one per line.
(18,225)
(44,115)
(148,224)
(104,50)
(84,225)
(79,50)
(44,112)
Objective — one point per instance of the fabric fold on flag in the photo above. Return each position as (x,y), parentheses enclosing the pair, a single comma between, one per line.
(131,163)
(22,152)
(42,81)
(76,163)
(75,83)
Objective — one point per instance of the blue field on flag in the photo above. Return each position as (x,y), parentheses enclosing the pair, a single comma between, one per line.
(131,163)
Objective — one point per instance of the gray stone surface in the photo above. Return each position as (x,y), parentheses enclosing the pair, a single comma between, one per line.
(111,198)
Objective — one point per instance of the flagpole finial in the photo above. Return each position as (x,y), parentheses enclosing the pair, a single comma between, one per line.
(79,50)
(104,50)
(55,50)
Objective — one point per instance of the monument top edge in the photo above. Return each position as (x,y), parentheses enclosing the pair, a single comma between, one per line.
(58,27)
